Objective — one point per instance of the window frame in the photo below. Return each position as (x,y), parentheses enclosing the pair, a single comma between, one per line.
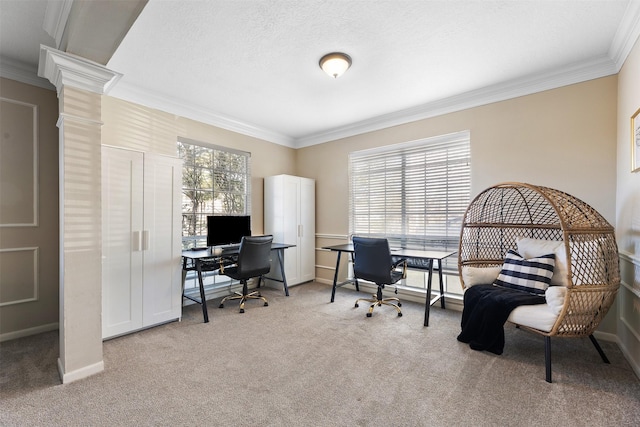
(390,173)
(199,239)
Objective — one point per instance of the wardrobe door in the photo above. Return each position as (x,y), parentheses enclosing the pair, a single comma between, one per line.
(291,227)
(161,239)
(289,214)
(122,226)
(307,233)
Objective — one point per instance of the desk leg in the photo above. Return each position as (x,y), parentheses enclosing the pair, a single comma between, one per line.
(184,276)
(335,277)
(441,283)
(205,314)
(284,278)
(427,304)
(355,279)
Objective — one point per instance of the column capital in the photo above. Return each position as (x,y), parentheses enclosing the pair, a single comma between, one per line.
(65,69)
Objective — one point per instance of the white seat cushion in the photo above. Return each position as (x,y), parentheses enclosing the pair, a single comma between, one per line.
(541,316)
(538,316)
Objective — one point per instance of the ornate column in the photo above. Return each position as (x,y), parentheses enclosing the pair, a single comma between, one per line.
(80,84)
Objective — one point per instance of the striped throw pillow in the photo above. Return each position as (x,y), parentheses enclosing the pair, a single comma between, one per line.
(530,275)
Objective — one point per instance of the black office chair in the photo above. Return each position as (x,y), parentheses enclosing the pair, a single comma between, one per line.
(253,261)
(373,262)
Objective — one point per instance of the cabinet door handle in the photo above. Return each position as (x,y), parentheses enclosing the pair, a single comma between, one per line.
(135,241)
(145,240)
(300,230)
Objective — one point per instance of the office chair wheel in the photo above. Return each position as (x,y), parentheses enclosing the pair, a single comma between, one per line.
(221,306)
(356,306)
(368,314)
(266,304)
(400,314)
(242,310)
(399,304)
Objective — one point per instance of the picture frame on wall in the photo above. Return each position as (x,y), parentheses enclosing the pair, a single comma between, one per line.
(635,141)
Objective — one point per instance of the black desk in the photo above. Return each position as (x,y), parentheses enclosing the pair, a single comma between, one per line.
(206,260)
(416,259)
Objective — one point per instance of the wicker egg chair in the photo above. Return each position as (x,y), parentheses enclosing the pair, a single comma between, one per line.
(500,214)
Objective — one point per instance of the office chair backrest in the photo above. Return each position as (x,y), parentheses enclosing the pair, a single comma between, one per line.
(254,258)
(372,260)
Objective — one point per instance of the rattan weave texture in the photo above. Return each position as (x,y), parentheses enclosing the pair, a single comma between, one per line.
(500,214)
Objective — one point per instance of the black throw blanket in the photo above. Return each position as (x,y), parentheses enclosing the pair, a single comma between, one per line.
(486,309)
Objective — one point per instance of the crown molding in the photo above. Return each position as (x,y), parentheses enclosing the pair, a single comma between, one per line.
(131,93)
(64,69)
(55,18)
(22,72)
(571,74)
(82,73)
(627,35)
(575,73)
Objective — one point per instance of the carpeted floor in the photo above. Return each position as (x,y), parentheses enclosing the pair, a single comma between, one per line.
(305,361)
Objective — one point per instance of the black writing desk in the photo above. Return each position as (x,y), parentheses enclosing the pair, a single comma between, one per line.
(416,259)
(209,260)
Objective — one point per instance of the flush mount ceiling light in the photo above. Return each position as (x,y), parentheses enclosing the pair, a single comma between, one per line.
(335,63)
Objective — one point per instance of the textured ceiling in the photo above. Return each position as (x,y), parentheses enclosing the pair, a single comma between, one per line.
(257,61)
(21,31)
(252,65)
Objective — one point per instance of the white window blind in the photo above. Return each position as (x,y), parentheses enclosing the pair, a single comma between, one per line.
(414,194)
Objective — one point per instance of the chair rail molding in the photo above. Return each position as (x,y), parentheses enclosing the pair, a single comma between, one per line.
(635,261)
(332,236)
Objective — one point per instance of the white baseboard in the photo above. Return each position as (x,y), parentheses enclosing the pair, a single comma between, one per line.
(78,374)
(630,357)
(605,336)
(29,331)
(403,293)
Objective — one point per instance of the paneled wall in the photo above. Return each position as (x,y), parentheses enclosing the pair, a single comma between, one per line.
(29,272)
(628,213)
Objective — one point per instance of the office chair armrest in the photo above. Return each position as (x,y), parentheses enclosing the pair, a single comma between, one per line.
(397,264)
(227,261)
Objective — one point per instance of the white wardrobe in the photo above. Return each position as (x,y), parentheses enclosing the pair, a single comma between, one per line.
(141,240)
(290,216)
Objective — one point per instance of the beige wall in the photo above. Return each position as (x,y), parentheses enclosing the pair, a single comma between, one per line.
(29,253)
(563,138)
(144,129)
(628,213)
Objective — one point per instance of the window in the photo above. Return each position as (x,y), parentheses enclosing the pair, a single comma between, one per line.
(414,194)
(215,181)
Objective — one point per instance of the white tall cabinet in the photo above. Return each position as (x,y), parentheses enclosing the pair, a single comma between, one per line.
(141,240)
(290,216)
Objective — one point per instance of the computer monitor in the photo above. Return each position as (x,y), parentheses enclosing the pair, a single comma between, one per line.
(227,230)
